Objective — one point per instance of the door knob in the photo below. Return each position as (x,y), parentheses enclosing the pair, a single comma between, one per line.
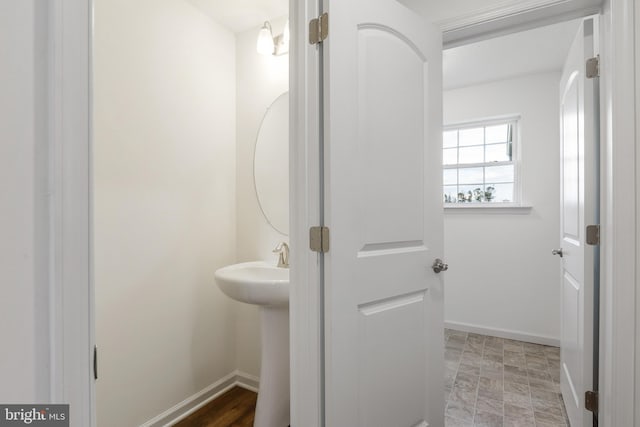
(439,266)
(557,252)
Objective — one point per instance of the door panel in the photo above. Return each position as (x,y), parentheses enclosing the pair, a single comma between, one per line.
(385,56)
(395,323)
(579,205)
(383,302)
(571,336)
(570,157)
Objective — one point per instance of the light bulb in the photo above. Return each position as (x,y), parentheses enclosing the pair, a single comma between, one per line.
(264,46)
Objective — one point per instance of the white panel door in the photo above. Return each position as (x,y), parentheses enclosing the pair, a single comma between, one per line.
(579,204)
(383,195)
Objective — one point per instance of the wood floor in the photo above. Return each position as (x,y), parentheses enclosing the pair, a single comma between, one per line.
(234,408)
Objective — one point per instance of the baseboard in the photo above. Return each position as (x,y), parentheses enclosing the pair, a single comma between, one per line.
(247,381)
(503,333)
(200,399)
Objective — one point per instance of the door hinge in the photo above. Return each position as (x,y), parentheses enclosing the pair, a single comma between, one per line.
(591,401)
(593,235)
(593,67)
(319,239)
(319,29)
(95,362)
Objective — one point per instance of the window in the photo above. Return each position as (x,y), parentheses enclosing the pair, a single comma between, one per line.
(478,162)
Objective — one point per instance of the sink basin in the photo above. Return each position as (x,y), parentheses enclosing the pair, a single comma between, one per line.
(255,283)
(267,286)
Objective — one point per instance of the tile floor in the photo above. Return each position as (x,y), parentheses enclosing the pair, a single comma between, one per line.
(495,382)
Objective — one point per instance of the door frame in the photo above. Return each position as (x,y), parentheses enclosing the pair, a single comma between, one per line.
(619,362)
(70,286)
(70,283)
(306,302)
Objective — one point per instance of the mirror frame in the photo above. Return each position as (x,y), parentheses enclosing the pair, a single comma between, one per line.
(253,169)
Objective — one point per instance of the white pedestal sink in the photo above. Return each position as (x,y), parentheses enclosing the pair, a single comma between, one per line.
(267,286)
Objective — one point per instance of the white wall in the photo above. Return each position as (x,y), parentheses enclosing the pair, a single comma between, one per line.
(24,364)
(261,79)
(502,275)
(165,211)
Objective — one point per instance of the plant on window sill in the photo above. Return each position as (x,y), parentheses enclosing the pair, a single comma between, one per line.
(477,196)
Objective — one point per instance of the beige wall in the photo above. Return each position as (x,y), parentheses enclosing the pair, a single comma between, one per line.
(165,211)
(261,79)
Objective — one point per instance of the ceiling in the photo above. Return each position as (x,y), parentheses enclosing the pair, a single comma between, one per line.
(533,51)
(242,15)
(538,50)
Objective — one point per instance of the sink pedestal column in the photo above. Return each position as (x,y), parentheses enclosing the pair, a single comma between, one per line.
(272,409)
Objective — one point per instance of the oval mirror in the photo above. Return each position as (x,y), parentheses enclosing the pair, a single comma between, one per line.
(271,164)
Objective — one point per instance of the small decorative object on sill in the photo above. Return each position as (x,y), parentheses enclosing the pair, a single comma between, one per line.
(488,194)
(478,195)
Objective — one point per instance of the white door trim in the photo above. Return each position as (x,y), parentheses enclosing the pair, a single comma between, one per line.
(70,283)
(618,376)
(633,286)
(508,17)
(509,10)
(305,294)
(71,290)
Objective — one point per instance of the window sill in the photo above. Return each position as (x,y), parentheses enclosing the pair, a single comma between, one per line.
(497,208)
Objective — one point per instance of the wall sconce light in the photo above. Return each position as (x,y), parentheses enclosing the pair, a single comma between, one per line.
(267,44)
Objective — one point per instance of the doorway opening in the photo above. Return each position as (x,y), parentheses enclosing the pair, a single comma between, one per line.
(504,119)
(184,91)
